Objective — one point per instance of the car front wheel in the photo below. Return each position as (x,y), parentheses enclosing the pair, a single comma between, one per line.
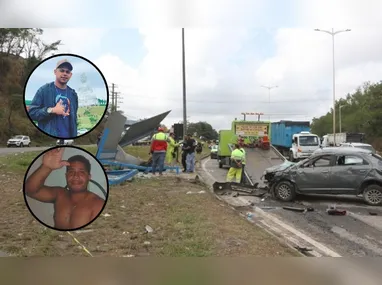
(372,195)
(285,191)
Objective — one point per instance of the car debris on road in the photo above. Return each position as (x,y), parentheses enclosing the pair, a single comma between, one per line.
(336,212)
(302,210)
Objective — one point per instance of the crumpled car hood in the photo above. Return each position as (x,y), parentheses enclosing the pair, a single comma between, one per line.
(280,167)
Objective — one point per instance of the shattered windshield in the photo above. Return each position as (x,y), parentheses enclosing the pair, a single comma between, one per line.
(309,141)
(301,162)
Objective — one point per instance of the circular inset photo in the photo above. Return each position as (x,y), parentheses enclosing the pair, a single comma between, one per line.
(66,188)
(66,96)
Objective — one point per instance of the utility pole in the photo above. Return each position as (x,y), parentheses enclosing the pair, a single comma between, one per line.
(113,92)
(333,33)
(184,86)
(269,98)
(341,117)
(114,98)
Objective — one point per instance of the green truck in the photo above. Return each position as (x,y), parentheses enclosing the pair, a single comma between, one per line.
(250,131)
(226,138)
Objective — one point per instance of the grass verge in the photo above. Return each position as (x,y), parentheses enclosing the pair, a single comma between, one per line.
(20,161)
(184,225)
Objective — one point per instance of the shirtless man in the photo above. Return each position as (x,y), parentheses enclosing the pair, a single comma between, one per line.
(74,206)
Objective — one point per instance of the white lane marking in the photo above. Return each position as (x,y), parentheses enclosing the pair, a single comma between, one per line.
(316,244)
(327,251)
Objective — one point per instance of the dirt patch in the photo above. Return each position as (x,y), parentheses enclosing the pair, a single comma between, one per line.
(194,224)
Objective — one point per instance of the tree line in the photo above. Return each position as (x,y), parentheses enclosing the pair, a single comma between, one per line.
(361,112)
(21,50)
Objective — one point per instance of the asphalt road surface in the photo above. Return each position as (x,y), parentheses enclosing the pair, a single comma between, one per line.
(11,150)
(356,234)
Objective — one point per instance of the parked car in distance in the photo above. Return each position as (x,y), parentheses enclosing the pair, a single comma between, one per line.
(19,141)
(65,142)
(214,152)
(332,171)
(360,145)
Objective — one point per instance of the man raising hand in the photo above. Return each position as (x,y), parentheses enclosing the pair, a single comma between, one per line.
(74,205)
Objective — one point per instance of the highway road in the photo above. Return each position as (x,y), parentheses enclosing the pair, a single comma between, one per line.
(11,150)
(356,234)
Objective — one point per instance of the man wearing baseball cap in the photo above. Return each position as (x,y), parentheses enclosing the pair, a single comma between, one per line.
(54,106)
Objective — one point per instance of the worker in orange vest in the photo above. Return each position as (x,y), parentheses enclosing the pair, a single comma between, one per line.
(158,150)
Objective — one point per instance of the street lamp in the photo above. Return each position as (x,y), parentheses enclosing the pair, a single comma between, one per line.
(184,85)
(341,117)
(333,33)
(269,97)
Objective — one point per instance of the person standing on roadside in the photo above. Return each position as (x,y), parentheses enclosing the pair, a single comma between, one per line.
(158,150)
(54,106)
(243,165)
(190,158)
(184,153)
(170,153)
(199,150)
(235,170)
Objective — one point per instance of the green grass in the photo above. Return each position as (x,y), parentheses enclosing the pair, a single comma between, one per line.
(19,162)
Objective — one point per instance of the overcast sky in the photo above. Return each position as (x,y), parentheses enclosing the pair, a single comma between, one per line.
(44,73)
(232,49)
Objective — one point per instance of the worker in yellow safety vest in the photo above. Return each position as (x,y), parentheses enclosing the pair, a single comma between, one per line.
(236,170)
(243,164)
(170,154)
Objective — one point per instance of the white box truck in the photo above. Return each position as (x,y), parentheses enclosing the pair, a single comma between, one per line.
(328,140)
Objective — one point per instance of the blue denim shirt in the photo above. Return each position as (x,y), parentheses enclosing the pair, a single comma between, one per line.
(45,98)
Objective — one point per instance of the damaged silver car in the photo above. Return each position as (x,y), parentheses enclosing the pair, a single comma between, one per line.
(332,171)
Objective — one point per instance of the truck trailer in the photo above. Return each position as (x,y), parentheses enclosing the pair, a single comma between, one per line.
(293,139)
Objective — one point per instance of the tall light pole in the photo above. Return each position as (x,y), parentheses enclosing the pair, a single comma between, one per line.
(341,117)
(269,97)
(333,33)
(184,86)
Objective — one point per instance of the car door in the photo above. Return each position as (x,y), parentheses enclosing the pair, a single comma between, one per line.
(348,173)
(314,175)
